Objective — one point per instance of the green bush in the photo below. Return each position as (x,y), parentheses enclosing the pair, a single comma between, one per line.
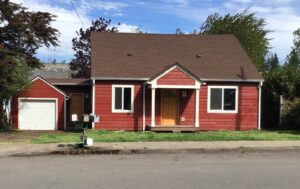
(291,115)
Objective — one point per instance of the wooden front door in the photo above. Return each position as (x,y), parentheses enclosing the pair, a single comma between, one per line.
(169,107)
(76,105)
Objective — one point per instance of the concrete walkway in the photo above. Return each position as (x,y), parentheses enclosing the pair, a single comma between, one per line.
(148,147)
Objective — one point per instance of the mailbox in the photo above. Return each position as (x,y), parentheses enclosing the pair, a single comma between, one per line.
(86,118)
(74,117)
(94,118)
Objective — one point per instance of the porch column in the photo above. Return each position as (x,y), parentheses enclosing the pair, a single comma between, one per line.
(152,107)
(197,108)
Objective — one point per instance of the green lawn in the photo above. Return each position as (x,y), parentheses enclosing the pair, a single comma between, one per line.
(114,136)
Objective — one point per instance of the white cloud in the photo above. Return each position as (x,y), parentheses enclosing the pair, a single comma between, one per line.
(88,5)
(181,3)
(125,28)
(67,23)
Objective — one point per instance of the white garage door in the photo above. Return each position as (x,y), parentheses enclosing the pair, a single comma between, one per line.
(37,114)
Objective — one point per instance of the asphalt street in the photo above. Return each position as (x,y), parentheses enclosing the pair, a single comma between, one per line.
(208,170)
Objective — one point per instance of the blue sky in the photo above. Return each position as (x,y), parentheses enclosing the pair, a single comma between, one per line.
(163,16)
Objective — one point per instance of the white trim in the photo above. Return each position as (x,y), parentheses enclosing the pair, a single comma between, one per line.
(120,78)
(38,77)
(113,99)
(144,106)
(93,101)
(259,106)
(223,87)
(176,86)
(153,107)
(233,80)
(197,107)
(43,99)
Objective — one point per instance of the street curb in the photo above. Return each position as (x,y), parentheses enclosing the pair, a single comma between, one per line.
(102,151)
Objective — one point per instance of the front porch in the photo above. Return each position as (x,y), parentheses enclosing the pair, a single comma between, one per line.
(174,106)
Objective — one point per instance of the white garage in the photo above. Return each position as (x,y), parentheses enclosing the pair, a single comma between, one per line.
(37,114)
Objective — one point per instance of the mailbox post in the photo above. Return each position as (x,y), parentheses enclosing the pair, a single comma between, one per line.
(87,118)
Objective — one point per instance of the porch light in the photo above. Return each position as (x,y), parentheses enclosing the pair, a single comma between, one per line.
(183,94)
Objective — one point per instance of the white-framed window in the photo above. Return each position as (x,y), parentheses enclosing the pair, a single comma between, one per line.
(222,99)
(122,98)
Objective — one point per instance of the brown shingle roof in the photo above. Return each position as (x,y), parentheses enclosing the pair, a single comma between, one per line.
(209,57)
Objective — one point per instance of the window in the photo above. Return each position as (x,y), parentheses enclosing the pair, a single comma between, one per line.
(222,99)
(122,98)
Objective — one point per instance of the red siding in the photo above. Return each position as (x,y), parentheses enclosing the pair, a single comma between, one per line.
(245,119)
(39,89)
(175,77)
(117,121)
(187,107)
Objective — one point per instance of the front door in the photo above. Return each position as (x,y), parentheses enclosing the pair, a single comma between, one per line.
(77,105)
(169,107)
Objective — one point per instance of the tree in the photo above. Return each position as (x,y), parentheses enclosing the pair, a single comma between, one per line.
(272,62)
(247,28)
(179,31)
(14,69)
(22,32)
(81,64)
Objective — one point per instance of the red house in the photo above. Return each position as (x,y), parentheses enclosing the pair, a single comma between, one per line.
(162,82)
(165,82)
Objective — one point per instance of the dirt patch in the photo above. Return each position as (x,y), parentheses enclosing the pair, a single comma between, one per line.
(23,136)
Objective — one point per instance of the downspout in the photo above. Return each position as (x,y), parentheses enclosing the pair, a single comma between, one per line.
(144,108)
(93,100)
(259,106)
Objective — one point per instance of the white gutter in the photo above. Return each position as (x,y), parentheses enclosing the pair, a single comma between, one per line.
(144,108)
(93,100)
(259,106)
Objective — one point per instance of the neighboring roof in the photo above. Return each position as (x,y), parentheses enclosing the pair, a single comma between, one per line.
(57,81)
(142,56)
(53,71)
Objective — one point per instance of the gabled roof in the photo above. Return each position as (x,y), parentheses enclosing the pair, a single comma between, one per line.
(142,56)
(49,84)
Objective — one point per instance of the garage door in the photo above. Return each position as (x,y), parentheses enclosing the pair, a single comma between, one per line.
(37,115)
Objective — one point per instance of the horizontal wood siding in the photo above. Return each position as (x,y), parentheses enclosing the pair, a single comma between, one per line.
(187,107)
(245,119)
(39,89)
(117,121)
(175,77)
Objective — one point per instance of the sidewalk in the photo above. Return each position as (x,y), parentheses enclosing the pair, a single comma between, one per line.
(148,147)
